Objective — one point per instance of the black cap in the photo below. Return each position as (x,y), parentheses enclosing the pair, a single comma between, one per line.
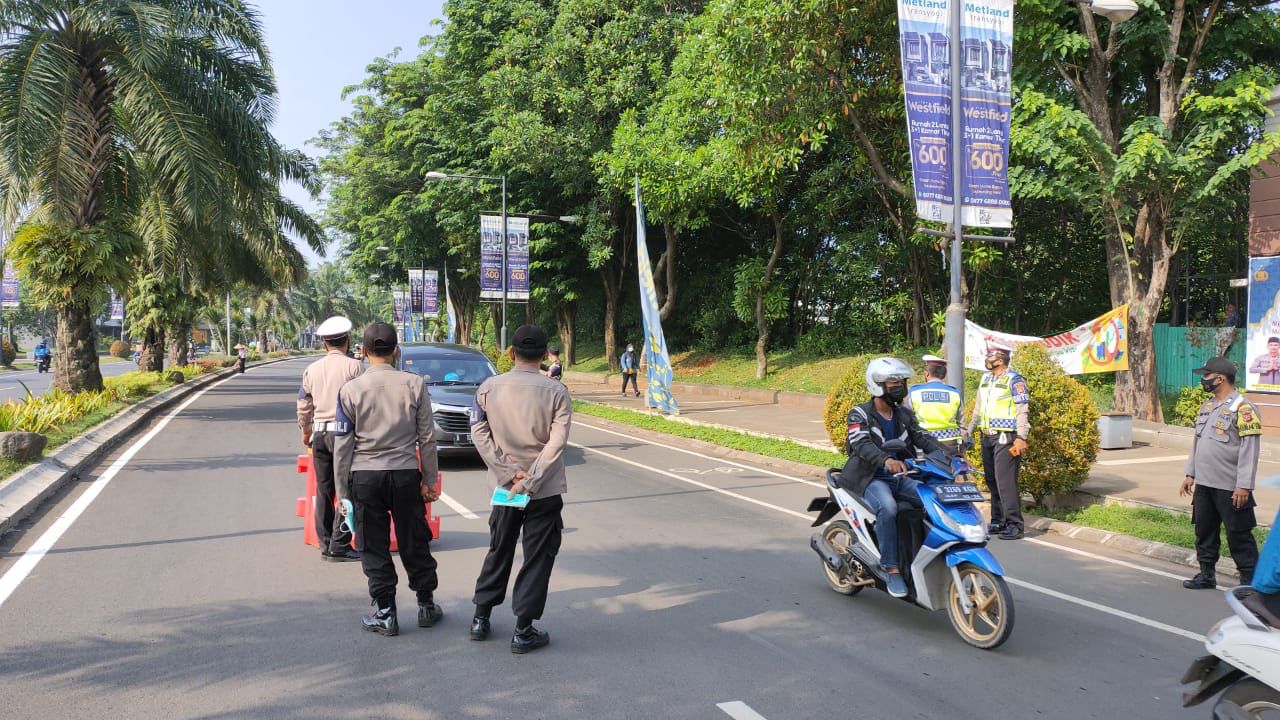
(1219,365)
(1269,340)
(381,337)
(529,338)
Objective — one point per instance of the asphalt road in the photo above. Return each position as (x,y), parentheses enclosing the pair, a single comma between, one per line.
(11,383)
(181,589)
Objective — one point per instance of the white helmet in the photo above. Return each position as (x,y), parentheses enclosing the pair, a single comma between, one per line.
(881,370)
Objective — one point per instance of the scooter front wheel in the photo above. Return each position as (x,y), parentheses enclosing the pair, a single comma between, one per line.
(989,620)
(1256,699)
(840,535)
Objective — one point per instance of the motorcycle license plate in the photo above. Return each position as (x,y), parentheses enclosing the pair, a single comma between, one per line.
(958,492)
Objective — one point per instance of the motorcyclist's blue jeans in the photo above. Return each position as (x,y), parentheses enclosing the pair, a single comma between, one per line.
(883,495)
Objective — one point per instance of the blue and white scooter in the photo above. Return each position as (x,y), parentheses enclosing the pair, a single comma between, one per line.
(952,567)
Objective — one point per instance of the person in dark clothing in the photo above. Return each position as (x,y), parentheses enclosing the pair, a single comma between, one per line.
(878,476)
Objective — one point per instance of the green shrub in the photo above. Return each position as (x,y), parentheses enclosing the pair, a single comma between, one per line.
(120,349)
(8,352)
(134,385)
(502,361)
(1064,427)
(278,354)
(50,411)
(1188,405)
(849,390)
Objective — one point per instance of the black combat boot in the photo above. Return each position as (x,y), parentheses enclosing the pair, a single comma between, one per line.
(527,639)
(383,621)
(429,614)
(1204,580)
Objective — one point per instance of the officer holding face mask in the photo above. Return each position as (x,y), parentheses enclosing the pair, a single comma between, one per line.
(1220,475)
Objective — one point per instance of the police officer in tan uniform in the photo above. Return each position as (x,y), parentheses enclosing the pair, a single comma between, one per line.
(317,418)
(387,466)
(520,424)
(1220,475)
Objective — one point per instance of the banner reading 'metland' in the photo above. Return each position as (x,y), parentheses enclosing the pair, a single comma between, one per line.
(9,287)
(431,293)
(491,258)
(415,290)
(1100,345)
(400,306)
(986,52)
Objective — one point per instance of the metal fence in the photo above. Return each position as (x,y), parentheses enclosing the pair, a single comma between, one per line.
(1179,350)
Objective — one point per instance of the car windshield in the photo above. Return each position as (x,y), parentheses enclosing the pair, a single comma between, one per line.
(449,369)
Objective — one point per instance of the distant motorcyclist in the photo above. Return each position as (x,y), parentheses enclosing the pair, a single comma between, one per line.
(43,355)
(878,476)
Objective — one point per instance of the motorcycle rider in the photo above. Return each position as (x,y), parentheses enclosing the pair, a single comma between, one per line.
(42,353)
(879,477)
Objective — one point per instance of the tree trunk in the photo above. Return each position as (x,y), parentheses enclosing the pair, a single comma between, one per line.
(495,315)
(611,293)
(668,262)
(566,321)
(180,344)
(1138,390)
(762,319)
(152,350)
(75,355)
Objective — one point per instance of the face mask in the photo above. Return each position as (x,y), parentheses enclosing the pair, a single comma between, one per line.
(1209,384)
(895,396)
(991,364)
(630,349)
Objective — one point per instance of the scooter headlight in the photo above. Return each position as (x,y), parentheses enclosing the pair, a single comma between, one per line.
(1215,634)
(970,533)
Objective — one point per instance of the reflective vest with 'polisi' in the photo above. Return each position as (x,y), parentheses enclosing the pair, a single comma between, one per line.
(998,402)
(936,405)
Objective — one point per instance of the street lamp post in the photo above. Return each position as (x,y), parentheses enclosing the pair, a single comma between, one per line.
(1116,11)
(434,175)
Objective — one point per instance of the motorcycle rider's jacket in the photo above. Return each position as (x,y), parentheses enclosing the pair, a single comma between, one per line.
(864,439)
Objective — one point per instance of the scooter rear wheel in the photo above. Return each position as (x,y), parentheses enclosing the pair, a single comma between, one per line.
(840,535)
(989,621)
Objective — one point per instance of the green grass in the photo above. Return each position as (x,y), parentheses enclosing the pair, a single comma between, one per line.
(1147,523)
(64,435)
(769,447)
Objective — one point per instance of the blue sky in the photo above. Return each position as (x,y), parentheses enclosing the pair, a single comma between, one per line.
(322,46)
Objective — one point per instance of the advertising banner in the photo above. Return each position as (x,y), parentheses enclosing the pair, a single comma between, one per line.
(1100,345)
(415,290)
(117,307)
(986,52)
(9,287)
(400,305)
(491,258)
(430,293)
(1262,344)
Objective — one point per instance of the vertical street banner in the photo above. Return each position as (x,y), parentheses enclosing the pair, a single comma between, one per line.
(9,287)
(117,307)
(448,309)
(518,259)
(986,64)
(430,293)
(415,291)
(400,306)
(657,360)
(1262,338)
(490,257)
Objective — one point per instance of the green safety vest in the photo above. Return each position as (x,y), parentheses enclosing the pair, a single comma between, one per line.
(998,401)
(936,406)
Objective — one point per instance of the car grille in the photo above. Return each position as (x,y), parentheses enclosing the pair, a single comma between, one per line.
(454,422)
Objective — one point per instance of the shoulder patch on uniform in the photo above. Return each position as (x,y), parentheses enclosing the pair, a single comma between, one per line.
(1247,421)
(477,414)
(1019,390)
(302,393)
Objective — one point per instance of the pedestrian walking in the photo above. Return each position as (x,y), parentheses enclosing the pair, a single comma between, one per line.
(937,406)
(242,356)
(629,370)
(318,420)
(1001,413)
(520,424)
(1220,474)
(386,465)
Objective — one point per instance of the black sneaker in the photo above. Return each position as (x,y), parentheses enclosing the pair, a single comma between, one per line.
(1011,532)
(383,621)
(995,528)
(528,640)
(479,628)
(429,614)
(1202,581)
(342,556)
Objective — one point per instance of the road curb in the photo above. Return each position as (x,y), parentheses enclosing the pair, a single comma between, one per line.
(30,487)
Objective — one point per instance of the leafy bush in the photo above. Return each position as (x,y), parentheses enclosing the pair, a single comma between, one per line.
(279,354)
(849,390)
(1064,427)
(120,349)
(1188,405)
(8,352)
(500,360)
(207,364)
(52,410)
(134,385)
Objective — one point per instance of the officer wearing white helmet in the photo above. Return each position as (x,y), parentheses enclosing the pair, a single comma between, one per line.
(937,405)
(879,476)
(318,420)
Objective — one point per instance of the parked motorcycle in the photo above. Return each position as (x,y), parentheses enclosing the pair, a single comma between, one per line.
(943,544)
(1243,664)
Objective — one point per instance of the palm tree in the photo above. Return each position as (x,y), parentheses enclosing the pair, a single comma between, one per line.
(112,111)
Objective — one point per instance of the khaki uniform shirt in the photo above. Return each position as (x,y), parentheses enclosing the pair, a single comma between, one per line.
(520,421)
(387,419)
(1228,439)
(318,396)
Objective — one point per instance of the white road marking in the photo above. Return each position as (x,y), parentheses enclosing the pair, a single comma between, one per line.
(458,507)
(10,581)
(707,457)
(1142,461)
(708,471)
(703,485)
(1113,561)
(739,710)
(1012,581)
(1104,609)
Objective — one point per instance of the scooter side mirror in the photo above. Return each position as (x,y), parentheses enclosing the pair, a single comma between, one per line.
(894,446)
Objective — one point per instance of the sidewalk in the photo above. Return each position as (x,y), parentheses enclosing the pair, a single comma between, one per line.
(1147,474)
